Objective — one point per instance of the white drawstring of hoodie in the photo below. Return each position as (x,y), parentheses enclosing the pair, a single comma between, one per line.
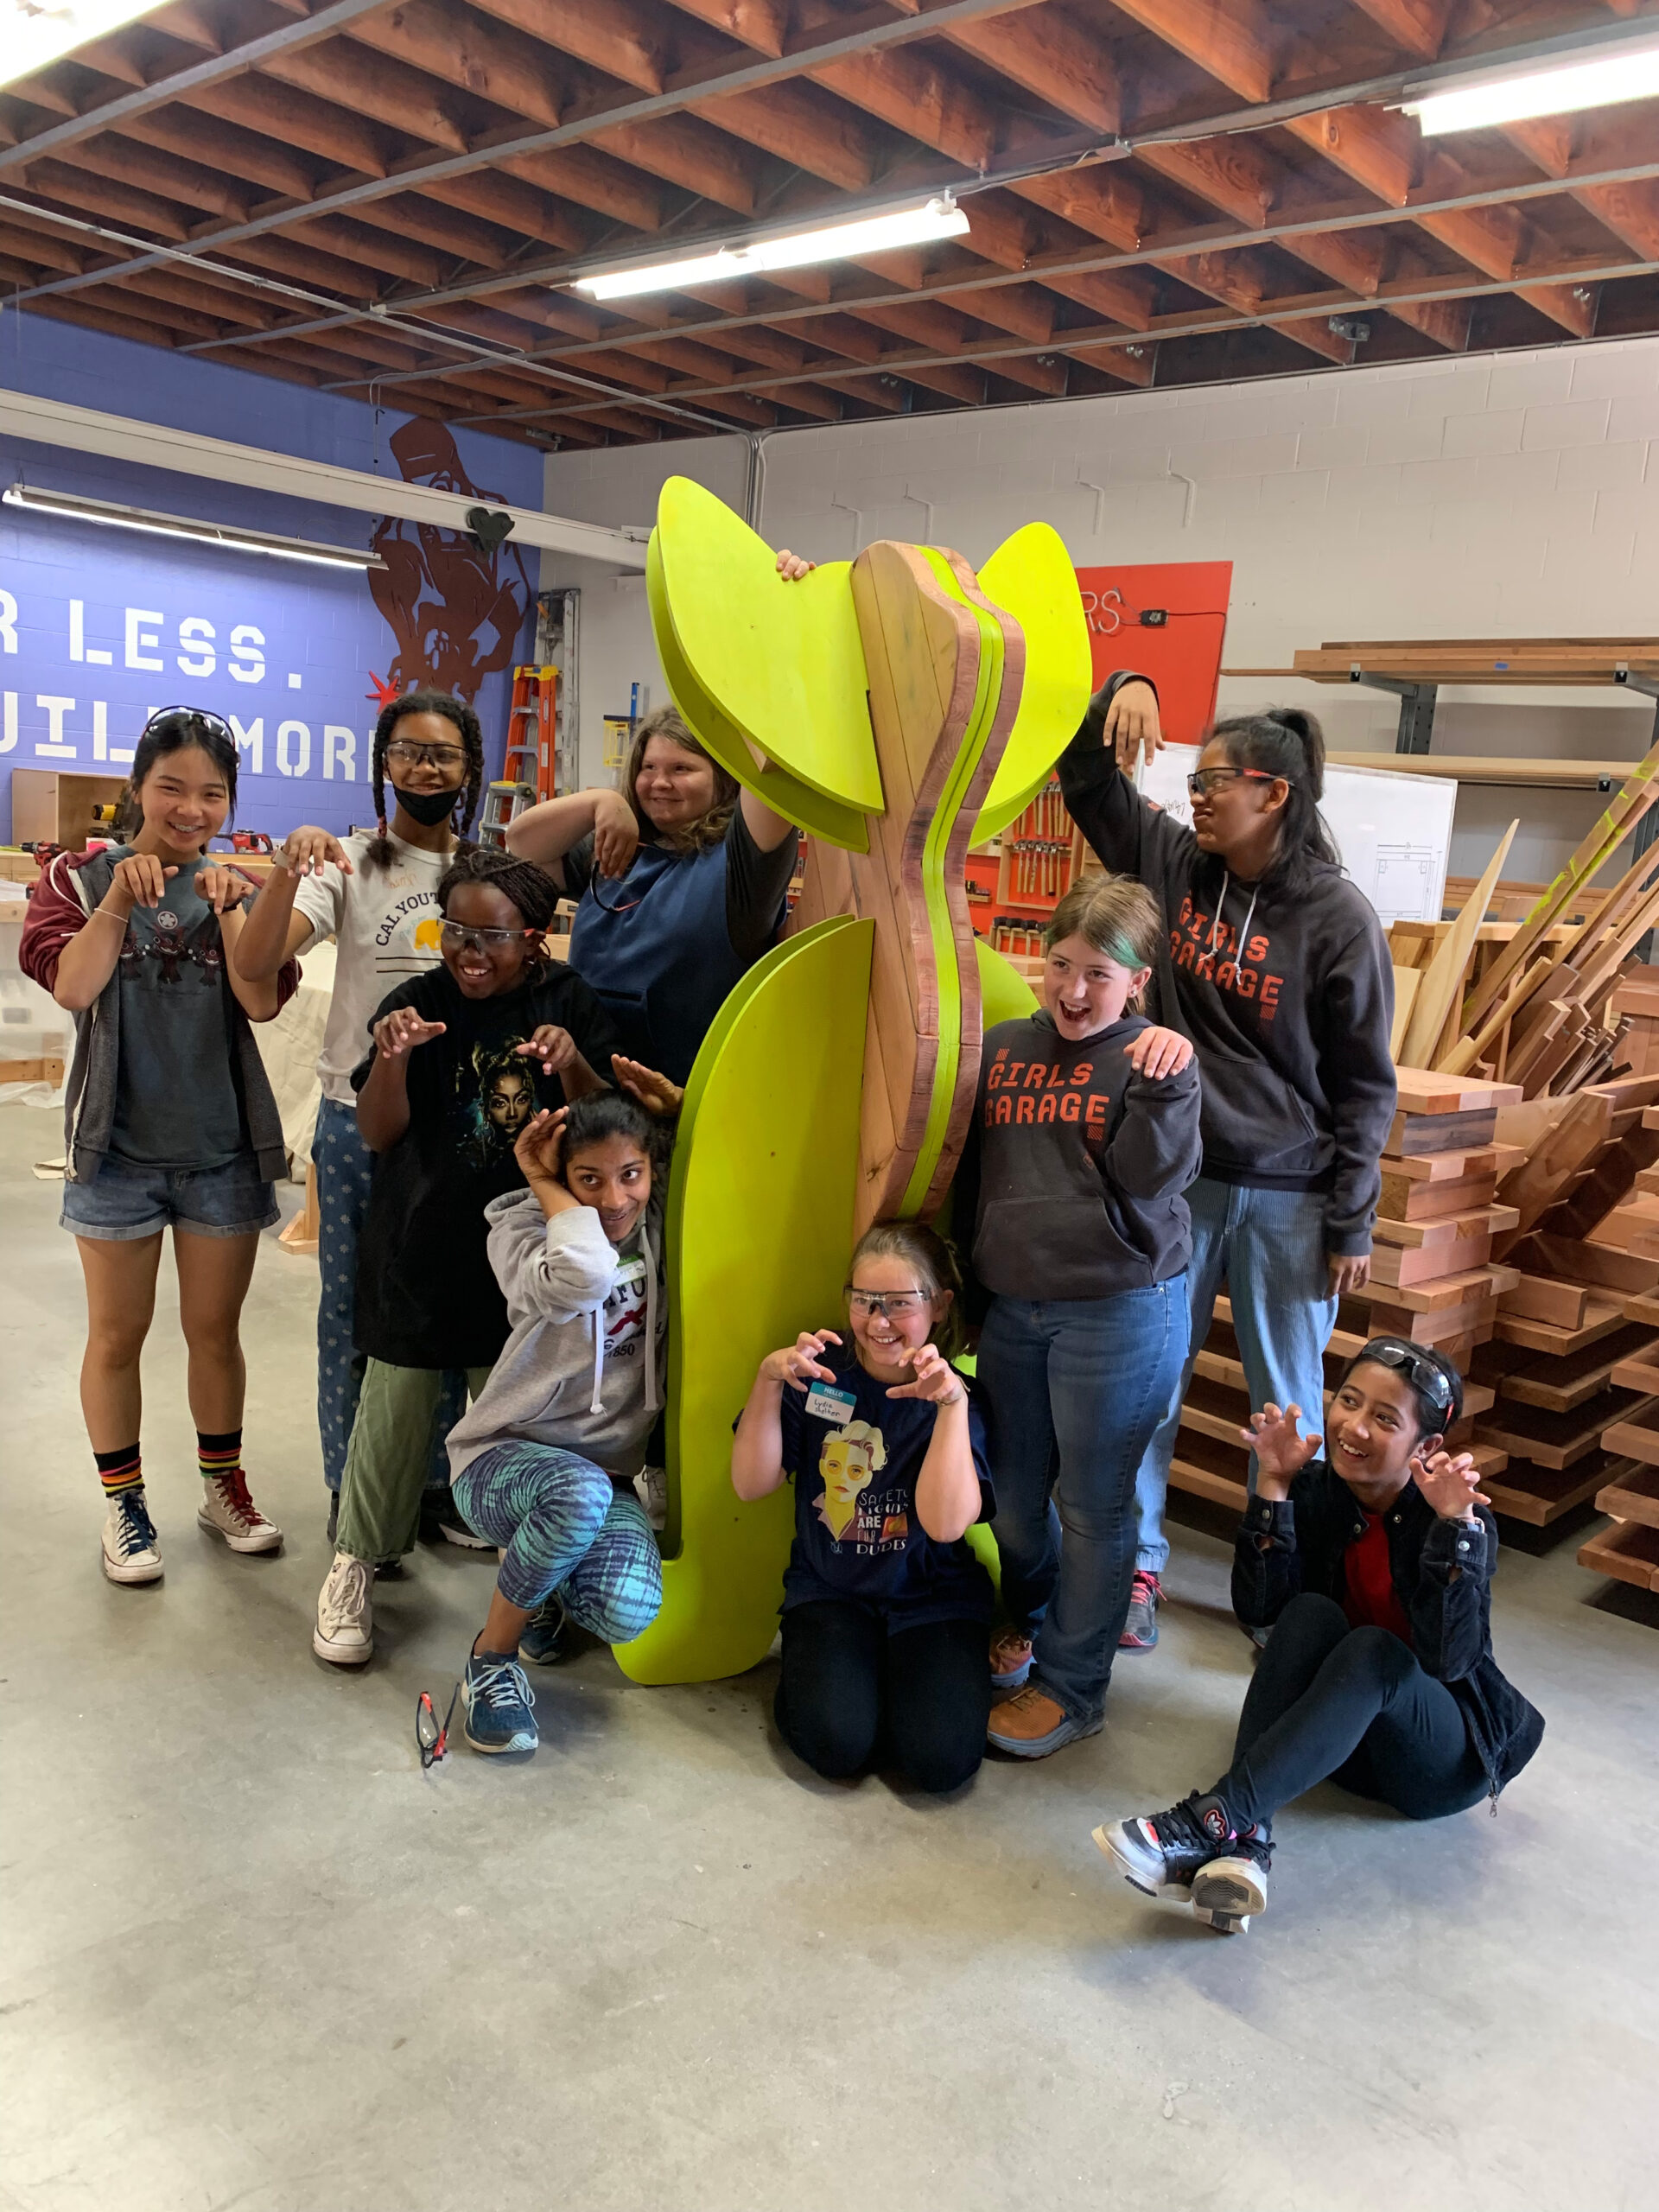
(652,1401)
(1249,915)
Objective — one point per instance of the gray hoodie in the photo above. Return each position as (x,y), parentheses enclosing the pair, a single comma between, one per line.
(583,1367)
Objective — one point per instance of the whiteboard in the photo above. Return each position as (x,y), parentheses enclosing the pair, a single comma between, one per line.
(1393,832)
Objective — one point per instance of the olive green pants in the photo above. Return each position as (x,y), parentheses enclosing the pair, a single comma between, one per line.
(392,1442)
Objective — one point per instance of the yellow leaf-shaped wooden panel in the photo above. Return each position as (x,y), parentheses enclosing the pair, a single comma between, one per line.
(783,662)
(1031,577)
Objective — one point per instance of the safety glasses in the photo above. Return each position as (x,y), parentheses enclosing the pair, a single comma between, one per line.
(1422,1374)
(188,720)
(457,936)
(896,1305)
(1203,782)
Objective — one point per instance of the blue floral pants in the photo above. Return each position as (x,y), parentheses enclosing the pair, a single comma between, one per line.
(345,1164)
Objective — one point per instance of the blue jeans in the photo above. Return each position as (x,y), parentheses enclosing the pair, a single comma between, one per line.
(345,1166)
(1074,1390)
(1269,1245)
(565,1527)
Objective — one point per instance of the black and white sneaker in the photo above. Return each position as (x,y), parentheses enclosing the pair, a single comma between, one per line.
(443,1521)
(1172,1854)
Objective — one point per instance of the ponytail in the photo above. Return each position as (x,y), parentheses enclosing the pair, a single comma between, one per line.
(1287,741)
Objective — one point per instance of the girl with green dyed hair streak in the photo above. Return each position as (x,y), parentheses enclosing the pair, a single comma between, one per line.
(1084,1137)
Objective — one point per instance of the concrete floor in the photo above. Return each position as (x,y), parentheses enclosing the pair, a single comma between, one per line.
(255,1959)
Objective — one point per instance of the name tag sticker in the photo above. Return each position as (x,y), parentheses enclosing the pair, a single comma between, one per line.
(826,1404)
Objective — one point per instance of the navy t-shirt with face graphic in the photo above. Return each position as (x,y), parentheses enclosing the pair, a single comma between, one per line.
(176,1103)
(854,1454)
(426,1296)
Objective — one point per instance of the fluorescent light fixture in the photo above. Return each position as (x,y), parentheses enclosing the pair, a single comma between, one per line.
(75,509)
(36,32)
(940,218)
(1601,80)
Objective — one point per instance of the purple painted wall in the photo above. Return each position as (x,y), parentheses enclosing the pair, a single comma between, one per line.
(100,627)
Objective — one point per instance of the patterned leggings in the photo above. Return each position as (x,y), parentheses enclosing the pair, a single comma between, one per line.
(344,1164)
(567,1530)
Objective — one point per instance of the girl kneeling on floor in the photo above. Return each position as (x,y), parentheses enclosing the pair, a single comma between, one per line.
(1373,1568)
(544,1463)
(1085,1135)
(463,1056)
(885,1606)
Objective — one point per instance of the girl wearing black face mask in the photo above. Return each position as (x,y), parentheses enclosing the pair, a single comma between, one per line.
(376,894)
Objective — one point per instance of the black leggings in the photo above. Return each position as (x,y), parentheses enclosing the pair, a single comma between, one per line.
(851,1695)
(1349,1705)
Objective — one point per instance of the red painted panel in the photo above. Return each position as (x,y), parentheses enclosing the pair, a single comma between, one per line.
(1181,655)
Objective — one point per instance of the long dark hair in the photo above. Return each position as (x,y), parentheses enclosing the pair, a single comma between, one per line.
(1287,741)
(175,729)
(531,891)
(708,828)
(455,710)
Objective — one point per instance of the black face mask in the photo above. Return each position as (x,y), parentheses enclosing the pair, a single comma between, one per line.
(427,808)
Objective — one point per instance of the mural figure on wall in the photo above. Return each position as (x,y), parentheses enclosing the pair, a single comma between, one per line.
(455,611)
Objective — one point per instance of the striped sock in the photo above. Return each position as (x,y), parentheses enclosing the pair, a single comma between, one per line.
(119,1471)
(219,1455)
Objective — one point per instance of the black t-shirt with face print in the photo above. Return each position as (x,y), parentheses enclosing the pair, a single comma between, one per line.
(426,1296)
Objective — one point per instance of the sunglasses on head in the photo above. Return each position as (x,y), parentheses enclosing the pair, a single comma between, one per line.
(193,717)
(1421,1373)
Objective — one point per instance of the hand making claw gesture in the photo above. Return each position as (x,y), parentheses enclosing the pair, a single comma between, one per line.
(934,1378)
(1280,1453)
(801,1362)
(397,1034)
(654,1091)
(1451,1484)
(307,851)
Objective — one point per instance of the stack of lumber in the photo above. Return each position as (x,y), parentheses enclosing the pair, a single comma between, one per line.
(1530,1003)
(1629,1551)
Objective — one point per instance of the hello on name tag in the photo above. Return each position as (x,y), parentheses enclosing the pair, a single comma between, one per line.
(826,1403)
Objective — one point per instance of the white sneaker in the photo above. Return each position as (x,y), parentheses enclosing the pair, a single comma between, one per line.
(228,1511)
(344,1633)
(651,1488)
(131,1552)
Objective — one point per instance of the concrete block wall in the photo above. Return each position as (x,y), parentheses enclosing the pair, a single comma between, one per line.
(1516,494)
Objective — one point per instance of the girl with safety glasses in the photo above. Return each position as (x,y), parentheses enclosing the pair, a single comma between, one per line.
(376,893)
(885,1606)
(1372,1565)
(438,1106)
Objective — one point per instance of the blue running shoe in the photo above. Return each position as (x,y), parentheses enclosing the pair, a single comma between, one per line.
(545,1637)
(497,1699)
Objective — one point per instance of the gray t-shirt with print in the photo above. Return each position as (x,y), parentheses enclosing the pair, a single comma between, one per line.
(176,1103)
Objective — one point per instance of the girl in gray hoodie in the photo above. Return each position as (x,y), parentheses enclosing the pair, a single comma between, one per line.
(542,1463)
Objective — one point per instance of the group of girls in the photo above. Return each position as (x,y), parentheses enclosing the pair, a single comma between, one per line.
(491,1148)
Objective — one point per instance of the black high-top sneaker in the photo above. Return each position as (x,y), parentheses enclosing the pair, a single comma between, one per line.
(1234,1884)
(1161,1853)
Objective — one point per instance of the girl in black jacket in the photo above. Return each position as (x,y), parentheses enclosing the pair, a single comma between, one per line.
(1374,1570)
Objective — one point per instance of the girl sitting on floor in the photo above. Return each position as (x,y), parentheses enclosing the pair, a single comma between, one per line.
(1373,1568)
(544,1463)
(885,1606)
(437,1107)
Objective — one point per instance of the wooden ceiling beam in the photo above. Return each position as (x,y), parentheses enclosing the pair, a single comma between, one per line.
(198,136)
(623,38)
(684,151)
(388,93)
(1243,282)
(802,125)
(1376,147)
(1417,26)
(1545,140)
(1571,306)
(487,58)
(1048,53)
(1130,365)
(915,91)
(1236,174)
(169,177)
(938,331)
(508,201)
(1445,323)
(593,179)
(1027,310)
(1231,41)
(306,265)
(762,25)
(115,202)
(1105,201)
(1630,212)
(178,322)
(277,111)
(391,253)
(430,224)
(41,246)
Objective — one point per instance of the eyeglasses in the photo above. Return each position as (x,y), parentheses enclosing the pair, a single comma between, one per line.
(456,935)
(896,1305)
(409,755)
(1422,1374)
(165,715)
(1203,781)
(431,1735)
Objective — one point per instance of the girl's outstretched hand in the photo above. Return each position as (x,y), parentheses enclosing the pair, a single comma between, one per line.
(1452,1485)
(654,1091)
(1132,724)
(936,1380)
(307,851)
(1157,1052)
(554,1047)
(398,1034)
(791,568)
(1280,1453)
(220,887)
(799,1363)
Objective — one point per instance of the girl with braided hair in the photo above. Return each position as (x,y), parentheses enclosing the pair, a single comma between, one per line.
(376,893)
(430,1108)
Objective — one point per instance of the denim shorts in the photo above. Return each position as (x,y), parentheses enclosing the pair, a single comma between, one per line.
(125,1199)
